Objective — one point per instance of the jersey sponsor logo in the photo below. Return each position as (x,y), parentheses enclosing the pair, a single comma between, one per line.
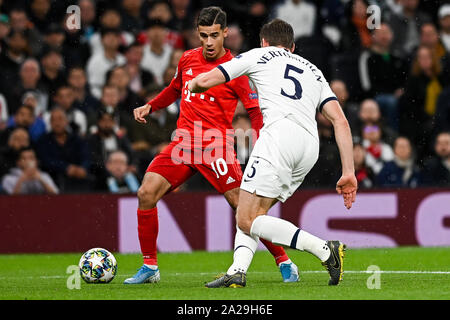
(189,72)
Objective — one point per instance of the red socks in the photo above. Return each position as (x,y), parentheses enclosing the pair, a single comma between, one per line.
(277,251)
(148,232)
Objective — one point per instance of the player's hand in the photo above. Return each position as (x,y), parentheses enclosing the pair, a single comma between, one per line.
(191,85)
(141,112)
(347,186)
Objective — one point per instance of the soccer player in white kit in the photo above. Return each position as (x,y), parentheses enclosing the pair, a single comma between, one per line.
(290,91)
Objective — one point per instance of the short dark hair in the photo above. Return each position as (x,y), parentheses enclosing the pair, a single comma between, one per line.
(278,33)
(25,149)
(212,15)
(26,106)
(104,31)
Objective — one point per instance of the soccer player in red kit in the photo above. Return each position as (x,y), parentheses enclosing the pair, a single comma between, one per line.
(202,143)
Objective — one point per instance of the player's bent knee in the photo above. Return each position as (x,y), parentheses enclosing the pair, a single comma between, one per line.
(147,197)
(244,222)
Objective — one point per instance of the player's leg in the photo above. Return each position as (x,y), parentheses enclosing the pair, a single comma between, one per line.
(243,252)
(236,274)
(152,189)
(163,175)
(285,233)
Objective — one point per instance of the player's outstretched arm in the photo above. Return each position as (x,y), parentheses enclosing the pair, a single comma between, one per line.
(347,184)
(206,80)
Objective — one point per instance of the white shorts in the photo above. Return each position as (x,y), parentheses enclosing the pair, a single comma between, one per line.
(283,155)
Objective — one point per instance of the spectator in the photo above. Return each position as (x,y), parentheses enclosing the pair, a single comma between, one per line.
(182,15)
(160,10)
(351,109)
(18,139)
(156,52)
(405,26)
(444,22)
(54,37)
(25,118)
(100,63)
(65,100)
(19,22)
(29,75)
(429,37)
(88,12)
(12,58)
(234,40)
(110,101)
(401,171)
(383,74)
(131,15)
(128,100)
(103,142)
(149,139)
(84,100)
(369,113)
(52,76)
(363,174)
(192,39)
(418,104)
(27,178)
(109,19)
(64,155)
(120,179)
(436,169)
(139,78)
(40,14)
(377,151)
(355,34)
(256,13)
(300,14)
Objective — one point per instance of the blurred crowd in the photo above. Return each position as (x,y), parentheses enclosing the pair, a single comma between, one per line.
(67,94)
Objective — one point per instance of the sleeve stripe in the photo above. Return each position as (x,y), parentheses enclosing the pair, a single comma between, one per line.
(325,101)
(225,74)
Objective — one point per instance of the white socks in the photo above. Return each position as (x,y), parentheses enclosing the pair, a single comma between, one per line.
(244,249)
(284,233)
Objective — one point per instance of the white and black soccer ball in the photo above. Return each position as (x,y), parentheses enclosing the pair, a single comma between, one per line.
(98,265)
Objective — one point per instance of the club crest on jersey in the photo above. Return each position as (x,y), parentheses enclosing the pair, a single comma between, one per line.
(189,72)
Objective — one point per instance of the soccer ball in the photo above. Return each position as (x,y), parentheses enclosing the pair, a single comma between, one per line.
(97,265)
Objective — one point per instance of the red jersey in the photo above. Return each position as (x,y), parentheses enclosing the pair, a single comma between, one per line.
(213,109)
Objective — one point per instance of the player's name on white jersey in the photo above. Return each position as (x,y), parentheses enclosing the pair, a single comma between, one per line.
(268,56)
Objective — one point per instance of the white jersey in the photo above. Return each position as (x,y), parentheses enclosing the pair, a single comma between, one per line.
(288,85)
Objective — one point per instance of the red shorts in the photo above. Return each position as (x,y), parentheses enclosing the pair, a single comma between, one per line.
(218,165)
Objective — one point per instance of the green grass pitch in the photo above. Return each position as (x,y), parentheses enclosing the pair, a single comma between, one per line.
(406,273)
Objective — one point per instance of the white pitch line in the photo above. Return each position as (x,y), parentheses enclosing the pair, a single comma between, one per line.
(254,272)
